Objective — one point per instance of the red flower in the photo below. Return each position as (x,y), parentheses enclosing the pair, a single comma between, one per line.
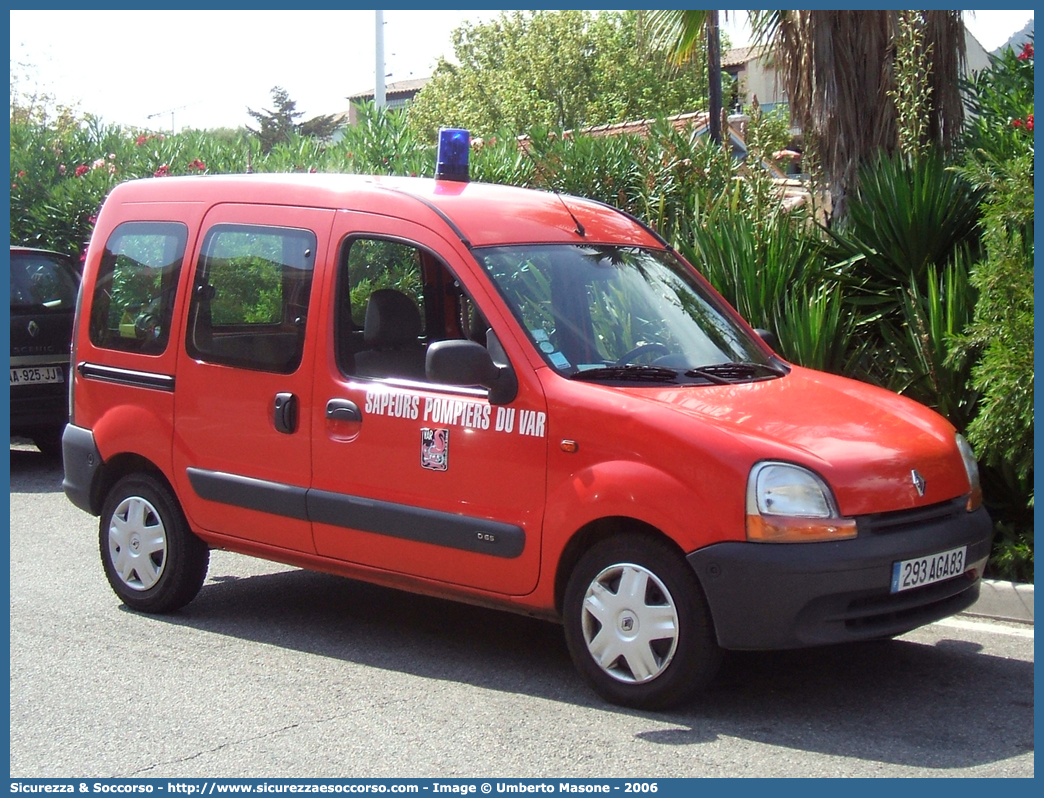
(1029,122)
(1027,52)
(140,140)
(197,164)
(82,170)
(21,173)
(1016,123)
(14,186)
(163,171)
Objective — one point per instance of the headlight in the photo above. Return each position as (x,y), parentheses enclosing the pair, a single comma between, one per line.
(787,503)
(971,467)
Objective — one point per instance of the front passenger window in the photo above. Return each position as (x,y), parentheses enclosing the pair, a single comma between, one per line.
(394,299)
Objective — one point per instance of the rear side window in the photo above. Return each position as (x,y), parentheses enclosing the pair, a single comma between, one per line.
(134,294)
(42,281)
(250,297)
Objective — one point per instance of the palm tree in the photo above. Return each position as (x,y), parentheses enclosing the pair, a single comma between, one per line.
(682,32)
(838,71)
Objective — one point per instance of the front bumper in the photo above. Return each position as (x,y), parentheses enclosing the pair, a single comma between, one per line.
(791,595)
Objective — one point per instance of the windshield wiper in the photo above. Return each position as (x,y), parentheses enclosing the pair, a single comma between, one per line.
(629,372)
(723,373)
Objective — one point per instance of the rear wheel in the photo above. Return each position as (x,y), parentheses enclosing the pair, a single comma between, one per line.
(152,559)
(637,625)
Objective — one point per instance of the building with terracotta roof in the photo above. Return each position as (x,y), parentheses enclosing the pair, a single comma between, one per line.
(396,95)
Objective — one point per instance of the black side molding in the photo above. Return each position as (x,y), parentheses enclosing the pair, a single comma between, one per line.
(417,523)
(249,493)
(367,515)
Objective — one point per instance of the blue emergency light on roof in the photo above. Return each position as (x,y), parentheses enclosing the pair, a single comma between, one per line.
(452,159)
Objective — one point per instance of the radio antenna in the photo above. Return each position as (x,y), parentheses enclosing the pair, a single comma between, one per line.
(540,170)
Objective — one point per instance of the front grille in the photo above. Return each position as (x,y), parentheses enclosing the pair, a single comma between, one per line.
(913,607)
(903,520)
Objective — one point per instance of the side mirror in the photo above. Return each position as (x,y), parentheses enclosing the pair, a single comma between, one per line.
(460,362)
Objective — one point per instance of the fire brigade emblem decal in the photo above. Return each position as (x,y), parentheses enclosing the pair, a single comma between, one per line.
(918,482)
(435,449)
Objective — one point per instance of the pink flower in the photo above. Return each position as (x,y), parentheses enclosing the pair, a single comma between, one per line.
(98,164)
(21,173)
(82,169)
(61,169)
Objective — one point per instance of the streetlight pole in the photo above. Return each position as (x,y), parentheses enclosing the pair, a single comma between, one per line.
(378,93)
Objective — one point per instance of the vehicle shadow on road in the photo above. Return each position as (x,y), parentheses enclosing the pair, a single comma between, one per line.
(33,471)
(899,702)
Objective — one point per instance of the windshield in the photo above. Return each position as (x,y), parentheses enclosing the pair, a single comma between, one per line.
(622,313)
(42,281)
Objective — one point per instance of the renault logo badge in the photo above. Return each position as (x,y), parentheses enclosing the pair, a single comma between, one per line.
(918,482)
(34,328)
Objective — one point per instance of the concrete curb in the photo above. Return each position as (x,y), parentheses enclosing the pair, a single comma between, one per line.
(1004,601)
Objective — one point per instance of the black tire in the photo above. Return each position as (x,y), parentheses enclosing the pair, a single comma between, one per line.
(651,669)
(48,440)
(152,560)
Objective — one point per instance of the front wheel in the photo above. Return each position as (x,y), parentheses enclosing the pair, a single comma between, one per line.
(152,559)
(637,625)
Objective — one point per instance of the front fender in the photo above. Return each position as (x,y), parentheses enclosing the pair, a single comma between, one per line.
(691,516)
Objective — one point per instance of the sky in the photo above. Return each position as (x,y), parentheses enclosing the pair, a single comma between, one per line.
(203,69)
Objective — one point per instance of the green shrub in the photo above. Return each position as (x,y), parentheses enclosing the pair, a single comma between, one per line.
(1000,163)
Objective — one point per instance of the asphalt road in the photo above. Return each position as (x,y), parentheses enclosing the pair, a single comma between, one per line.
(277,672)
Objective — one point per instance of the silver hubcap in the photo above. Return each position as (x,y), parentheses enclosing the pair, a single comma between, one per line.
(137,543)
(630,623)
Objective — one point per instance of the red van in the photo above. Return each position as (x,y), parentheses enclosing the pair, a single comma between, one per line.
(501,396)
